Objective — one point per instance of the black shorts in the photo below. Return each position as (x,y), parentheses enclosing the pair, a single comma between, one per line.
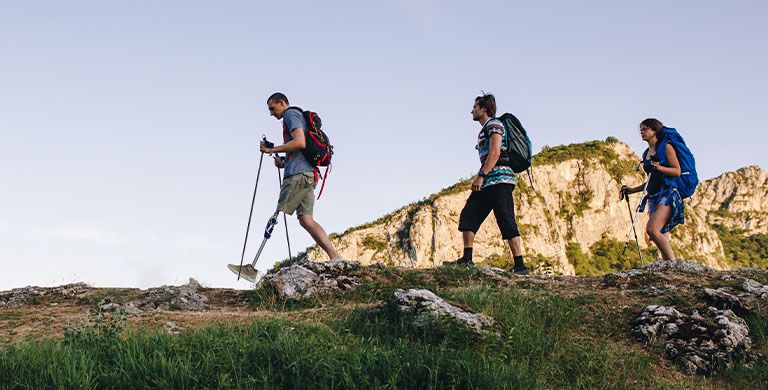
(498,198)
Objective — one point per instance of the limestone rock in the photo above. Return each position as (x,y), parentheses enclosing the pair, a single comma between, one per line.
(573,200)
(495,273)
(32,294)
(427,307)
(738,200)
(654,291)
(307,279)
(697,343)
(172,328)
(753,297)
(755,288)
(184,297)
(725,298)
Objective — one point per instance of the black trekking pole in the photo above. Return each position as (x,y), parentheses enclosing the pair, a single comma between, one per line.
(634,221)
(629,208)
(285,221)
(250,215)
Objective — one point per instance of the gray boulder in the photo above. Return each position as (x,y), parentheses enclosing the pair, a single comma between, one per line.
(699,344)
(308,279)
(186,297)
(755,288)
(749,298)
(495,273)
(428,307)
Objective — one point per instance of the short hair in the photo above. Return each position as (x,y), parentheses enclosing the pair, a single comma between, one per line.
(277,97)
(488,103)
(653,124)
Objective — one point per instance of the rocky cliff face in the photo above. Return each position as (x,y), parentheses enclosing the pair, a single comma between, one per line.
(574,199)
(738,200)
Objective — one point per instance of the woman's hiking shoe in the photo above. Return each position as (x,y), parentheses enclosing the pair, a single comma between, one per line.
(462,262)
(246,272)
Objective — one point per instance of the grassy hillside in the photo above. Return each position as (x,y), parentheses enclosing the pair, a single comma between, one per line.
(551,333)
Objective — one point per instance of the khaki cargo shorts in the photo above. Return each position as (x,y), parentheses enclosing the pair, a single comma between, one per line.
(297,194)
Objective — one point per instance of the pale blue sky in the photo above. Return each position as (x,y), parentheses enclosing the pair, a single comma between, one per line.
(130,129)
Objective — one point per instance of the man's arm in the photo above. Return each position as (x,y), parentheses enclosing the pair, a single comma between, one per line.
(297,143)
(494,151)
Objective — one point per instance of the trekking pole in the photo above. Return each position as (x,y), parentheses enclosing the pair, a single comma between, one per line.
(634,220)
(285,221)
(633,229)
(250,215)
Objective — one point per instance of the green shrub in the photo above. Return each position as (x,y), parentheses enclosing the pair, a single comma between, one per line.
(606,257)
(374,243)
(742,250)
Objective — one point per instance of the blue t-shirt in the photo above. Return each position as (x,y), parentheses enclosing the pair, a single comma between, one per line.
(295,162)
(499,174)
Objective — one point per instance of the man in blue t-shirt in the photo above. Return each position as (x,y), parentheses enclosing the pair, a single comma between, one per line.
(297,191)
(492,189)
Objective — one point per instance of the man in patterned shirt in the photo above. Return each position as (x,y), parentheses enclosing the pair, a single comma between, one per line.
(492,189)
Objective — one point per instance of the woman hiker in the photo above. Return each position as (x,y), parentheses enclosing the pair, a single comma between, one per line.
(664,202)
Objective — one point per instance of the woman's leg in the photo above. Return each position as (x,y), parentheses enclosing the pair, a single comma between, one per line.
(656,222)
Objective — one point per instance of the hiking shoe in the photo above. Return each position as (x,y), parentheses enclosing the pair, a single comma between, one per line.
(246,272)
(520,271)
(460,262)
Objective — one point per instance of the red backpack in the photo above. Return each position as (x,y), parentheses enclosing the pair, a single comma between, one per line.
(318,149)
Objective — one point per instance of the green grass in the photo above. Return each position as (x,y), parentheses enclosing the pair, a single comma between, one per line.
(383,349)
(540,340)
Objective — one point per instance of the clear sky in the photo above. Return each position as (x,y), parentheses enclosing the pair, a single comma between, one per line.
(130,130)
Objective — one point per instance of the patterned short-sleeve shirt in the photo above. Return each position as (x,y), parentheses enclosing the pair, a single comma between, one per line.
(499,174)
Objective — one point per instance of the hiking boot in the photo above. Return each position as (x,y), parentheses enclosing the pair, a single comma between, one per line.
(520,270)
(460,262)
(246,272)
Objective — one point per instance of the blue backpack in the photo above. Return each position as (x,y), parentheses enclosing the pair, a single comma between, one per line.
(688,180)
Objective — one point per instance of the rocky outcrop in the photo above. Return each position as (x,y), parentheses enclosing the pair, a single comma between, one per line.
(749,297)
(306,279)
(31,294)
(181,298)
(574,199)
(698,344)
(186,297)
(428,308)
(737,200)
